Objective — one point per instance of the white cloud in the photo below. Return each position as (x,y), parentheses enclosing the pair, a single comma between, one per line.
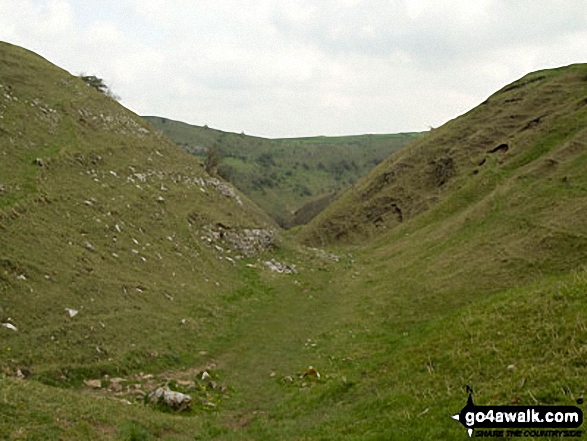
(300,68)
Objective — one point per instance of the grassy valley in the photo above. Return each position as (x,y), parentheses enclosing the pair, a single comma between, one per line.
(454,262)
(292,179)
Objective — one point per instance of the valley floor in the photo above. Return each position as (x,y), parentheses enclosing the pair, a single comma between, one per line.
(392,361)
(125,267)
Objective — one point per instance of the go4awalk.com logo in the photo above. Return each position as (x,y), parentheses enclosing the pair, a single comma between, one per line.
(520,421)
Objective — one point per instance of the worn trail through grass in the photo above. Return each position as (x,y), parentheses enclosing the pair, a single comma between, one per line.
(279,339)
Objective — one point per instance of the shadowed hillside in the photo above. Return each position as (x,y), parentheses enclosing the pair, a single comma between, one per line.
(530,131)
(292,179)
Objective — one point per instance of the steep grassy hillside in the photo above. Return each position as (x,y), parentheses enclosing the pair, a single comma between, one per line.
(481,283)
(102,216)
(530,131)
(291,179)
(484,287)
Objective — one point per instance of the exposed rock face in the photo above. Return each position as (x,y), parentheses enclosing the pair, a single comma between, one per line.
(225,189)
(248,242)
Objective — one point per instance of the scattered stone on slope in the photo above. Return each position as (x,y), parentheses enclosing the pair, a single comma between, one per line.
(322,254)
(94,384)
(224,189)
(115,384)
(149,176)
(282,268)
(71,312)
(207,403)
(117,122)
(175,400)
(10,326)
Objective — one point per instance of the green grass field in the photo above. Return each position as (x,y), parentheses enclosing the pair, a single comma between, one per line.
(481,283)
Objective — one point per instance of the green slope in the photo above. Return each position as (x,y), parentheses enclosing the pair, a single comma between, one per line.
(540,118)
(482,283)
(101,215)
(484,286)
(291,179)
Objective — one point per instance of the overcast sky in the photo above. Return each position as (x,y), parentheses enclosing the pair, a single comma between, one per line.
(297,68)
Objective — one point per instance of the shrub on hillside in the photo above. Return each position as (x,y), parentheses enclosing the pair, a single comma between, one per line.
(98,84)
(212,161)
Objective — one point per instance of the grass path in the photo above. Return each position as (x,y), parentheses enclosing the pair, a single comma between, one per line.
(278,339)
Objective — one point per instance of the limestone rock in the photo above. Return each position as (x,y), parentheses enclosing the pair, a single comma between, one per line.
(282,268)
(94,384)
(71,312)
(175,400)
(249,242)
(9,326)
